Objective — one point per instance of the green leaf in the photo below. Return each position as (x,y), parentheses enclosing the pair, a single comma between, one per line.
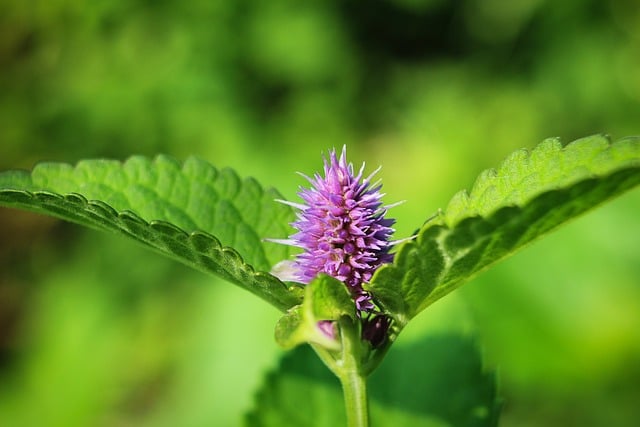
(325,298)
(192,212)
(531,194)
(439,381)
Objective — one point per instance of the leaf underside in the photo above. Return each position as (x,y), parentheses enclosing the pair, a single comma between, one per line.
(531,194)
(439,381)
(189,211)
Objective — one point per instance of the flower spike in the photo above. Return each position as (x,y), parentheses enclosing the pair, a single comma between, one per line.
(342,229)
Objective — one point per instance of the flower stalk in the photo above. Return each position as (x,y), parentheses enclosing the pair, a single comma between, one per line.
(352,378)
(343,233)
(348,364)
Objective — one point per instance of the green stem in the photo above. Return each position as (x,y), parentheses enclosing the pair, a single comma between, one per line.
(354,387)
(354,381)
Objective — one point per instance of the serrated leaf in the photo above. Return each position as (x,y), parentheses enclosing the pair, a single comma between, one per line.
(439,381)
(528,196)
(325,299)
(190,211)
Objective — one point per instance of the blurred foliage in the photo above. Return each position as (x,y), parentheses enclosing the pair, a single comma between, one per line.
(96,331)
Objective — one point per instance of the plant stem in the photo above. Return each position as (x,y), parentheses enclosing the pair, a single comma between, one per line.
(354,381)
(354,387)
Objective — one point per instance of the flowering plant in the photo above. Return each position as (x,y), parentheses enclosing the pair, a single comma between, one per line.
(342,284)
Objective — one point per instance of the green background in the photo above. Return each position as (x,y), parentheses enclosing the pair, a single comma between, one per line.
(96,331)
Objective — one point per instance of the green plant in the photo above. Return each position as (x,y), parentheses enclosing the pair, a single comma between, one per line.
(214,221)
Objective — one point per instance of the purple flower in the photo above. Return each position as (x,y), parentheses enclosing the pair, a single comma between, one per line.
(341,229)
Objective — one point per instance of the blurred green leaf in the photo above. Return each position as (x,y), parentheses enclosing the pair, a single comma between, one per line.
(439,381)
(203,217)
(325,299)
(528,196)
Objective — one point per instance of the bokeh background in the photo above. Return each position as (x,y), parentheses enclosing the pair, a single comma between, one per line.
(97,331)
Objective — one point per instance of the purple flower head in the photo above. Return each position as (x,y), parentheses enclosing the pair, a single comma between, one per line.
(341,229)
